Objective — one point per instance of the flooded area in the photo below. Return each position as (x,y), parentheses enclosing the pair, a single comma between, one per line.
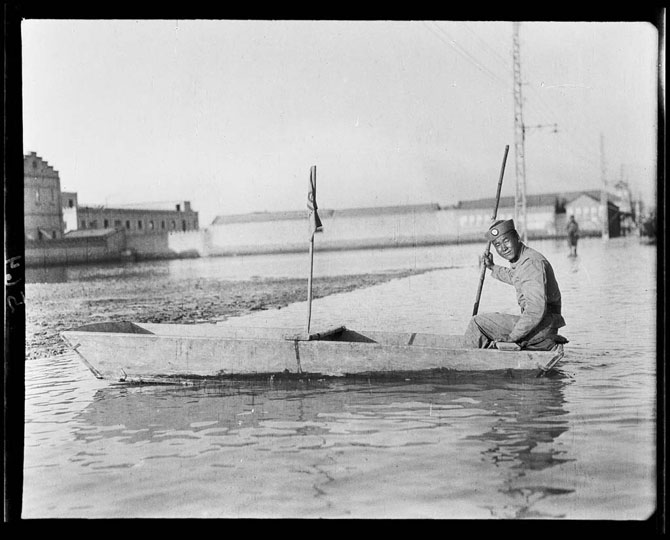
(580,445)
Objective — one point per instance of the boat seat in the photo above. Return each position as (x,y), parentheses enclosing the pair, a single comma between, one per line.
(315,336)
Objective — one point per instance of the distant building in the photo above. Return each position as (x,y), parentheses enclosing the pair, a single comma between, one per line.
(587,209)
(43,213)
(60,231)
(547,213)
(139,221)
(408,225)
(627,208)
(623,197)
(475,216)
(387,226)
(50,213)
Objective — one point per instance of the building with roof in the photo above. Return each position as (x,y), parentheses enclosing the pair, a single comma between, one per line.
(474,216)
(547,213)
(588,212)
(267,232)
(136,220)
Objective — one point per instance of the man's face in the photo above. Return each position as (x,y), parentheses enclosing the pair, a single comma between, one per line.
(508,245)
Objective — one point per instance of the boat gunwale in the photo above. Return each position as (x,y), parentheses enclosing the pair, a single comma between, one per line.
(331,342)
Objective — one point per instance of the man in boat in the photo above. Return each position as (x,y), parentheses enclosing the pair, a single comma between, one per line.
(537,294)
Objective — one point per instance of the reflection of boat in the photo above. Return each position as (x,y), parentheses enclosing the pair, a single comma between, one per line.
(511,417)
(145,352)
(534,405)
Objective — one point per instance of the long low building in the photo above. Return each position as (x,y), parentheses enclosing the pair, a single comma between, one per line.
(396,226)
(180,217)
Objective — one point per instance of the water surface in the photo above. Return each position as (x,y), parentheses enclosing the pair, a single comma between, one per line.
(580,445)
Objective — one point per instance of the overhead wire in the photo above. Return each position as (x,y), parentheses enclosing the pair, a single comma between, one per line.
(571,142)
(488,48)
(578,141)
(544,113)
(577,144)
(445,37)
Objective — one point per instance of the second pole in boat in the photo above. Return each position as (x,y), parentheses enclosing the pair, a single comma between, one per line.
(314,225)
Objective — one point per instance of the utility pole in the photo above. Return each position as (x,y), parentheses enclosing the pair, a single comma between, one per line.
(519,141)
(604,210)
(520,204)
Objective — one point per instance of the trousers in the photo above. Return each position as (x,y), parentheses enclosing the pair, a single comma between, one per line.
(486,328)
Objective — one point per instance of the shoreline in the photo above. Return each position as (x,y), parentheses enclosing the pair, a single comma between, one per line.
(49,250)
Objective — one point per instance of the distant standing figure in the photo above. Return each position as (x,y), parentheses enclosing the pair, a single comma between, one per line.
(573,235)
(537,294)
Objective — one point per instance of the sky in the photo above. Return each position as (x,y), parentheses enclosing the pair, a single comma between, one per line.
(231,114)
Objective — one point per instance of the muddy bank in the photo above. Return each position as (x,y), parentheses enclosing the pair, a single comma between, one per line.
(54,307)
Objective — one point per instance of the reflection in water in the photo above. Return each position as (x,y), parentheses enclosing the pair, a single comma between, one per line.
(528,408)
(523,500)
(574,264)
(529,419)
(507,420)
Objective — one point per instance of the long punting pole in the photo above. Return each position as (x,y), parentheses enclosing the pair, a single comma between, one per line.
(482,275)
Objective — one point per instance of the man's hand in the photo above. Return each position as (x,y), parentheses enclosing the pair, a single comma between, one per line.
(486,259)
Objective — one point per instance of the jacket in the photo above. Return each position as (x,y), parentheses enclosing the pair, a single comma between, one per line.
(537,292)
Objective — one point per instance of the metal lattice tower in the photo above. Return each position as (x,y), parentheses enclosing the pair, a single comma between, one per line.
(520,213)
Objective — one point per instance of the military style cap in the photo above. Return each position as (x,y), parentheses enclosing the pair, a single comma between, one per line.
(499,228)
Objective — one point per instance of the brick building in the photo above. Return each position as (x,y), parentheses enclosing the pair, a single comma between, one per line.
(137,221)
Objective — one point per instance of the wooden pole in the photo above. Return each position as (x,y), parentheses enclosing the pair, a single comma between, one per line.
(309,283)
(314,224)
(482,275)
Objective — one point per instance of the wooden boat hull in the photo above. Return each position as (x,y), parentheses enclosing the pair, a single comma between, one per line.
(145,352)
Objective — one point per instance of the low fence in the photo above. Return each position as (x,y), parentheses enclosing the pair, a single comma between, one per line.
(64,251)
(116,246)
